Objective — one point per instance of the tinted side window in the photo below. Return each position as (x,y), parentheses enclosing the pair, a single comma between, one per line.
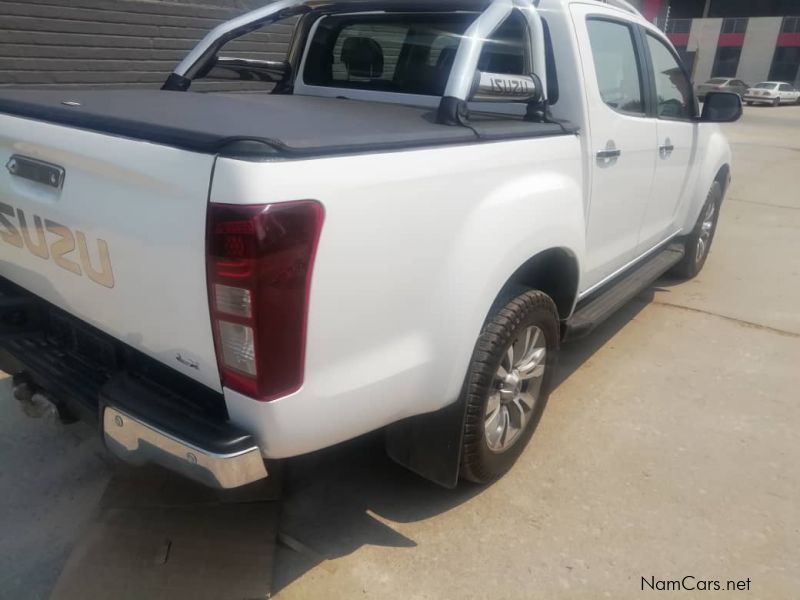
(674,95)
(619,75)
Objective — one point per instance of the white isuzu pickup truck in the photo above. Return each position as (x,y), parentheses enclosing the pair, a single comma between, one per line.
(398,234)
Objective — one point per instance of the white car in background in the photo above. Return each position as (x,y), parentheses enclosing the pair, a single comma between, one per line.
(772,92)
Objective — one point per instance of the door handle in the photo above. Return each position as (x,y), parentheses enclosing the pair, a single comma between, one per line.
(608,154)
(665,150)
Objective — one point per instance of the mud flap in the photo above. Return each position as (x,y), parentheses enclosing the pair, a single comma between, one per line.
(430,444)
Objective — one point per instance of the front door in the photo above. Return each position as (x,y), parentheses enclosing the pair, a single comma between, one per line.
(622,139)
(677,143)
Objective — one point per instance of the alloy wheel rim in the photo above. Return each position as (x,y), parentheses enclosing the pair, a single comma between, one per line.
(515,389)
(706,229)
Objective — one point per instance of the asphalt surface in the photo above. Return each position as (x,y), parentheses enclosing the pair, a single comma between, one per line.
(668,450)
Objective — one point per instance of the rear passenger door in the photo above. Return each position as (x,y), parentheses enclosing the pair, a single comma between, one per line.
(622,139)
(675,109)
(787,93)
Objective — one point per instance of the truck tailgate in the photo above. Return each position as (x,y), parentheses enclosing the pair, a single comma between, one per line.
(120,244)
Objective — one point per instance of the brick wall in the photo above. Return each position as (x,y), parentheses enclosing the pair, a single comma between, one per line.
(118,43)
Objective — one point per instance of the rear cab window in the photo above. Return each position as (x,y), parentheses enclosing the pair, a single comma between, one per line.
(404,54)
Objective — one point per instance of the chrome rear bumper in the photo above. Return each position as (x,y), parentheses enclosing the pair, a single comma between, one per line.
(138,442)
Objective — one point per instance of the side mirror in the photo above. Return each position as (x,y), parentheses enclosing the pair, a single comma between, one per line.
(499,87)
(721,107)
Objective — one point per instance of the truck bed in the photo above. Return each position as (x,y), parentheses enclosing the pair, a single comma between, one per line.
(298,126)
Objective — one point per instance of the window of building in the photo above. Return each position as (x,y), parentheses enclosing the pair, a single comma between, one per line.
(785,64)
(734,25)
(791,25)
(748,8)
(726,62)
(619,75)
(679,26)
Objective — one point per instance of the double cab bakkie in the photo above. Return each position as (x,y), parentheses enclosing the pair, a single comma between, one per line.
(397,234)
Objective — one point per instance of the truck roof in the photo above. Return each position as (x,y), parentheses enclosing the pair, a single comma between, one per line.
(290,125)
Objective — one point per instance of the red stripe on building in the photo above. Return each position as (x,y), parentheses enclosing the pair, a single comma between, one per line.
(789,39)
(651,9)
(679,39)
(731,39)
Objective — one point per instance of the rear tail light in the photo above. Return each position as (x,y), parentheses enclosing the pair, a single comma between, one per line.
(260,259)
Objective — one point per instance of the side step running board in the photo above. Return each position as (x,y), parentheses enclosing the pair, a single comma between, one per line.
(593,311)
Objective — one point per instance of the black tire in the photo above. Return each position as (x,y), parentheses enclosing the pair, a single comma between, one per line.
(749,103)
(510,321)
(776,102)
(693,261)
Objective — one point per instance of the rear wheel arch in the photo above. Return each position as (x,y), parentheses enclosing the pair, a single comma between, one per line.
(554,271)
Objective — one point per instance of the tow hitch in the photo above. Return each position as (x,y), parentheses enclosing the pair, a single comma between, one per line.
(37,404)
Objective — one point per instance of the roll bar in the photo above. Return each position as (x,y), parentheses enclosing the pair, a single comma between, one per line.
(453,107)
(460,85)
(202,55)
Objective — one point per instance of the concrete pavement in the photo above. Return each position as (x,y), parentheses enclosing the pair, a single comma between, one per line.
(669,449)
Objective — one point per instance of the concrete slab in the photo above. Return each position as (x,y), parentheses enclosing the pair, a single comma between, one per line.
(157,537)
(668,452)
(51,479)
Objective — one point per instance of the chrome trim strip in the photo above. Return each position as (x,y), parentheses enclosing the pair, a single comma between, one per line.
(137,442)
(626,266)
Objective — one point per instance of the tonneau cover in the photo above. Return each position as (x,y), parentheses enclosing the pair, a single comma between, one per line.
(291,125)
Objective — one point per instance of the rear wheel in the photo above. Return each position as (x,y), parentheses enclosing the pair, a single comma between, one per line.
(508,383)
(698,243)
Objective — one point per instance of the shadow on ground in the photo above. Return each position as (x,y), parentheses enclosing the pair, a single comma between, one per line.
(335,500)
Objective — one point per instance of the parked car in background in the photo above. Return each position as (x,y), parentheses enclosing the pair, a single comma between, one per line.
(722,84)
(772,92)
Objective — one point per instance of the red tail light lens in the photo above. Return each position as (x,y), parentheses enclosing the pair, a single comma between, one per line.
(260,259)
